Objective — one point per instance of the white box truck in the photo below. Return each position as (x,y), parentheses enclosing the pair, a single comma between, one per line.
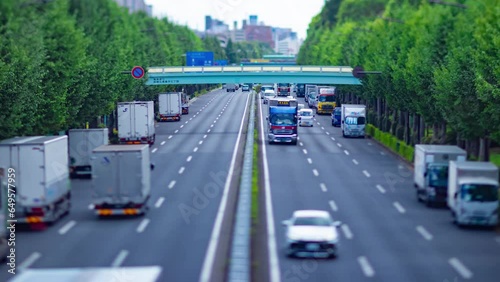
(81,144)
(353,120)
(170,106)
(431,171)
(136,122)
(5,231)
(185,104)
(473,193)
(40,168)
(121,179)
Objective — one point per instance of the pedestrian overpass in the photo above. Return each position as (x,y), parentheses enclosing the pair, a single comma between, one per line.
(339,75)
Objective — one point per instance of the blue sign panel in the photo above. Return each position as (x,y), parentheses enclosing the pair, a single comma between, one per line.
(220,63)
(199,59)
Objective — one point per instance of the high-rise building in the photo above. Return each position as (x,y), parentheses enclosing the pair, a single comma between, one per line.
(260,33)
(253,20)
(208,22)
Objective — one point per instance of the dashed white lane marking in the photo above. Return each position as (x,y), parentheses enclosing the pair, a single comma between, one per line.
(333,206)
(305,151)
(195,149)
(323,187)
(177,130)
(67,227)
(189,159)
(399,207)
(309,160)
(333,138)
(366,173)
(171,185)
(346,152)
(142,226)
(209,130)
(460,268)
(30,260)
(315,172)
(327,133)
(163,143)
(347,231)
(190,119)
(382,153)
(400,167)
(91,206)
(322,128)
(159,202)
(181,170)
(201,142)
(120,258)
(186,121)
(427,236)
(301,144)
(205,136)
(380,188)
(211,125)
(369,144)
(194,116)
(338,144)
(366,267)
(170,137)
(154,150)
(355,161)
(215,121)
(318,123)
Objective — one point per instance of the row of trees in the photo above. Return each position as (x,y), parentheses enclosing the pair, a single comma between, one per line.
(439,64)
(62,62)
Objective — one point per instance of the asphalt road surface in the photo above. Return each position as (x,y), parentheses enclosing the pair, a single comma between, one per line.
(386,234)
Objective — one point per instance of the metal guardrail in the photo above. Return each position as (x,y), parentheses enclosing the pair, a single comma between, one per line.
(240,258)
(225,69)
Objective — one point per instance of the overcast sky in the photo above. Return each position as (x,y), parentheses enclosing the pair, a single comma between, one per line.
(278,13)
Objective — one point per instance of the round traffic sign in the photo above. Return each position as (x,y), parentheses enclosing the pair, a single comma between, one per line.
(137,72)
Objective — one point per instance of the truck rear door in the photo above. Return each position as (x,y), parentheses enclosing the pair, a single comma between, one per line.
(125,121)
(141,120)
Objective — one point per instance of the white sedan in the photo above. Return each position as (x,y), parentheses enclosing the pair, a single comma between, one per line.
(306,117)
(312,232)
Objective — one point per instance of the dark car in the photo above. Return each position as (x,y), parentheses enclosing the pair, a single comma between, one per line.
(336,116)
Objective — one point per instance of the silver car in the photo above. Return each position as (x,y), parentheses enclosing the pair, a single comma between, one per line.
(312,233)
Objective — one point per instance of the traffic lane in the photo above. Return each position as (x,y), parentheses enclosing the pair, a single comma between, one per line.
(388,239)
(295,187)
(202,102)
(183,224)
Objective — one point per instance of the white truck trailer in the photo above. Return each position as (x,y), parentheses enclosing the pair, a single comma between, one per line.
(4,204)
(431,171)
(39,166)
(473,193)
(81,144)
(170,106)
(353,120)
(90,274)
(136,122)
(121,179)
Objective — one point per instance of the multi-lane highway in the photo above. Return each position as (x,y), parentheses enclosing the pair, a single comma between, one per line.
(386,234)
(192,159)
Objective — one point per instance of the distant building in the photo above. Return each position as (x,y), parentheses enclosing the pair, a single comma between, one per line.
(208,23)
(260,33)
(136,6)
(288,46)
(253,20)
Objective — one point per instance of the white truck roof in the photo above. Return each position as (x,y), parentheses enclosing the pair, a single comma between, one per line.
(120,148)
(440,148)
(32,140)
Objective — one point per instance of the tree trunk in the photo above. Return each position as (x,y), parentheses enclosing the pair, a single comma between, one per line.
(407,128)
(484,149)
(442,137)
(379,112)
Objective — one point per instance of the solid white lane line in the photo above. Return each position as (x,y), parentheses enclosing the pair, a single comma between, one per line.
(30,260)
(347,231)
(309,160)
(189,159)
(427,236)
(159,202)
(305,151)
(315,172)
(333,206)
(177,130)
(399,207)
(366,267)
(171,185)
(142,226)
(272,249)
(355,161)
(170,137)
(181,170)
(380,188)
(154,150)
(67,227)
(206,271)
(163,143)
(323,187)
(366,173)
(195,149)
(201,142)
(346,152)
(120,258)
(460,268)
(340,145)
